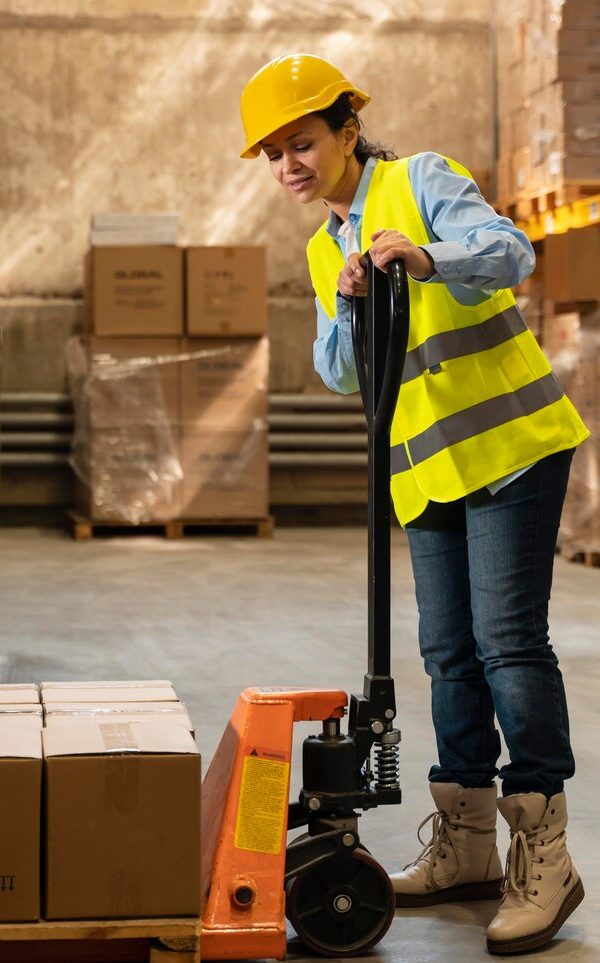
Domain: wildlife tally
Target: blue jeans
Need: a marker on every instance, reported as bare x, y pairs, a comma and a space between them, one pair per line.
483, 573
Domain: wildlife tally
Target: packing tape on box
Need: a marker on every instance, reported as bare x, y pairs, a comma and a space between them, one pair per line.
122, 780
124, 889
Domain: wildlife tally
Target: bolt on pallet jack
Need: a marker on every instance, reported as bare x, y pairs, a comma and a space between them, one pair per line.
337, 897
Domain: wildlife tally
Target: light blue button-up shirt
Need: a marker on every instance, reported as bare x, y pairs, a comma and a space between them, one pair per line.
474, 251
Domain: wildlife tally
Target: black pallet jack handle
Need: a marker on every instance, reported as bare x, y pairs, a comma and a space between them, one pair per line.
380, 328
337, 773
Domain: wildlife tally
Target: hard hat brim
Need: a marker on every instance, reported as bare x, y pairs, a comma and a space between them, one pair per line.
358, 100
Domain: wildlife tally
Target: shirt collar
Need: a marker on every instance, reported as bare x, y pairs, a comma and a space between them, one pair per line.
358, 204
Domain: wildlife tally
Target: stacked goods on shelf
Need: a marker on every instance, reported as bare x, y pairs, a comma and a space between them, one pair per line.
572, 344
531, 298
119, 821
548, 56
562, 304
170, 383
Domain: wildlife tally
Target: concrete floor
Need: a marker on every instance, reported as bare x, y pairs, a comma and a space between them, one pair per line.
217, 614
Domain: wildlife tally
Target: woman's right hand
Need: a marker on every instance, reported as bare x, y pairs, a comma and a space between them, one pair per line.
352, 279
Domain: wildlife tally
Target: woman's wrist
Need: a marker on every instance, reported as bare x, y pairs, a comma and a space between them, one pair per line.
428, 267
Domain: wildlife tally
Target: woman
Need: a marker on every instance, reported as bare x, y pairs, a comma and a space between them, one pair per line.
481, 446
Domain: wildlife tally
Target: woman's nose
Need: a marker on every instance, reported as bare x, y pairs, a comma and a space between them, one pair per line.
290, 163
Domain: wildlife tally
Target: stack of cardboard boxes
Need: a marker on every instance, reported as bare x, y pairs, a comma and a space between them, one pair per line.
548, 57
99, 803
561, 303
571, 338
171, 384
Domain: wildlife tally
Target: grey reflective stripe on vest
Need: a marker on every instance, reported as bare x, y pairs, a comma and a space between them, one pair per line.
463, 341
398, 459
477, 419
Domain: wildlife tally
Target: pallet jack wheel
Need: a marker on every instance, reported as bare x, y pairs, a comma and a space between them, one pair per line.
343, 906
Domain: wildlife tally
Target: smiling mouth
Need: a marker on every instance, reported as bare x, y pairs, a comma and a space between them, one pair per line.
297, 185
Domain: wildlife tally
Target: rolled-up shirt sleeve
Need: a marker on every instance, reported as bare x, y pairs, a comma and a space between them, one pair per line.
333, 353
471, 244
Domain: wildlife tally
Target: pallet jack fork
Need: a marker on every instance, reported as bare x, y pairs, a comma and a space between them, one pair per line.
337, 897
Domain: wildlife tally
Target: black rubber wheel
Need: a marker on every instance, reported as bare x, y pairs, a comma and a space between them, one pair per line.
342, 907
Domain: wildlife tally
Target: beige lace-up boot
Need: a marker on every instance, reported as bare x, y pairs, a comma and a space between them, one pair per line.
541, 885
460, 861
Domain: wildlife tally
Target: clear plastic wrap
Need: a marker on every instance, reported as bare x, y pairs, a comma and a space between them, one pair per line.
123, 450
177, 430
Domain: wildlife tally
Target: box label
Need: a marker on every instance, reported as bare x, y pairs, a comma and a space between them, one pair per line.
263, 802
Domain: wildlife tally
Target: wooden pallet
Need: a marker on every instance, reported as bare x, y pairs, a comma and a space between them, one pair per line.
102, 941
82, 529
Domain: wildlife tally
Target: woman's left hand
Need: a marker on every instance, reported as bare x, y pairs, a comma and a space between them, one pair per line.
391, 245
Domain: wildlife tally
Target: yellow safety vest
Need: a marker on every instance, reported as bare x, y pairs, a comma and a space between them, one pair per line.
478, 398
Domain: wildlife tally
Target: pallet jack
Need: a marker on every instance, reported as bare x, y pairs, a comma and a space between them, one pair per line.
337, 897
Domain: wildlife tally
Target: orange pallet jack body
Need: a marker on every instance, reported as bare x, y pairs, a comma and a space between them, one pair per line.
337, 897
244, 822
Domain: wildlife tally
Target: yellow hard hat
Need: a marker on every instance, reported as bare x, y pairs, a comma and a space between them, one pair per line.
287, 88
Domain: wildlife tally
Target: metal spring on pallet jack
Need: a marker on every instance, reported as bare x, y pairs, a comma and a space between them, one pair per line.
387, 765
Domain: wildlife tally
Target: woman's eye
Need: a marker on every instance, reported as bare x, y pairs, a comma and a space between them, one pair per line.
302, 147
273, 158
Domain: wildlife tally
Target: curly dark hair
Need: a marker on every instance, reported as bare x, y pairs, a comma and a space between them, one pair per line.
337, 116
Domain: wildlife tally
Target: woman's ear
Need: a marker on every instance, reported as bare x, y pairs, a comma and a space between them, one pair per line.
350, 131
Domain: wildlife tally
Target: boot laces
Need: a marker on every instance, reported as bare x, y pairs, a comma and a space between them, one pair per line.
519, 861
440, 837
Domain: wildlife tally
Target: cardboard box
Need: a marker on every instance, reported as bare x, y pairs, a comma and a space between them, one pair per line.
125, 445
134, 290
20, 801
572, 67
579, 42
122, 821
132, 475
571, 265
224, 384
580, 169
581, 91
223, 441
226, 290
21, 716
561, 339
225, 474
151, 691
504, 181
169, 713
22, 693
521, 171
511, 90
580, 14
582, 130
132, 381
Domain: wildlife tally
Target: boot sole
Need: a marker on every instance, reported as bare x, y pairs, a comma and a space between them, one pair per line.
535, 940
454, 894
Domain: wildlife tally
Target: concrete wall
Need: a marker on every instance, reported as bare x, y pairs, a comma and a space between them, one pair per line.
133, 105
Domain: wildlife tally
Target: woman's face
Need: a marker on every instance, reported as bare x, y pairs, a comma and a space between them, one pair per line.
309, 159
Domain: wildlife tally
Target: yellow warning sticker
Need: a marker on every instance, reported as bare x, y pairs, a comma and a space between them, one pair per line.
263, 803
